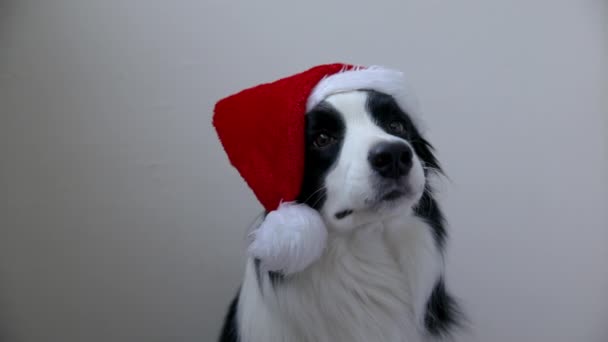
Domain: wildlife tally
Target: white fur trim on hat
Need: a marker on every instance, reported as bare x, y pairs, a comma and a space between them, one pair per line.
289, 239
388, 81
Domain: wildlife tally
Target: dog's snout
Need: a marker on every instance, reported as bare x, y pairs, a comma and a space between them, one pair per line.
391, 160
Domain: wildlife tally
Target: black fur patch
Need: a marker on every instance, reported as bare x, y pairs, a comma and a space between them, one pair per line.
321, 119
442, 311
384, 110
428, 209
230, 329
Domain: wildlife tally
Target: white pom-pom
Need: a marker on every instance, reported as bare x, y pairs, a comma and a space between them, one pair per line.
289, 239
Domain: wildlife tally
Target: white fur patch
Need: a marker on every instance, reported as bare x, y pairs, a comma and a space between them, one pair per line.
368, 286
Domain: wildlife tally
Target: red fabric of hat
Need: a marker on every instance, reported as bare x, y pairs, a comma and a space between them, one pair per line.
262, 131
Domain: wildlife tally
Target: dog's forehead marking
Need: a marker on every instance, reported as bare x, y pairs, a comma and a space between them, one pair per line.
352, 105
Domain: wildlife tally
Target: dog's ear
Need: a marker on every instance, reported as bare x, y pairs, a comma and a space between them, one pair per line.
289, 239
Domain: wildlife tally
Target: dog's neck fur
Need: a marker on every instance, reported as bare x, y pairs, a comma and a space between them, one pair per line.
370, 285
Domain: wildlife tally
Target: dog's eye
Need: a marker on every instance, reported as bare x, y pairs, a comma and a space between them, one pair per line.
396, 127
323, 140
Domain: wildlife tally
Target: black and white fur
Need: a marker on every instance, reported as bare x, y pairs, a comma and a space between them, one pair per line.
381, 278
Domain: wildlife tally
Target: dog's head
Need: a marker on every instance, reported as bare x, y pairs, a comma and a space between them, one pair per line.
365, 159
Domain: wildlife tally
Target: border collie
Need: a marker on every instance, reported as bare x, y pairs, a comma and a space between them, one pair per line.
368, 172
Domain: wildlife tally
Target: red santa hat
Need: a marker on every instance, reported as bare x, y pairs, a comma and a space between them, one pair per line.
262, 131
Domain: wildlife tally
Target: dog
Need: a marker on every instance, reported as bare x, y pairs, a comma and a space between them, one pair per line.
369, 173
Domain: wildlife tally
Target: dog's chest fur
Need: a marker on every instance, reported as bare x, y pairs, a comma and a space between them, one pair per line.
371, 285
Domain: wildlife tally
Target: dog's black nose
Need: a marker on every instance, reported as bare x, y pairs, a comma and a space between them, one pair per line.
391, 160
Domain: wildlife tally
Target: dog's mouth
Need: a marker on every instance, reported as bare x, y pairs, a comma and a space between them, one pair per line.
390, 196
344, 213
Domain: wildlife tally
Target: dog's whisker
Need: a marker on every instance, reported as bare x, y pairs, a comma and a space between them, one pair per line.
318, 199
314, 193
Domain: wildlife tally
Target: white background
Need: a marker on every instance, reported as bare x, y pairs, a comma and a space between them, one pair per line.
121, 219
